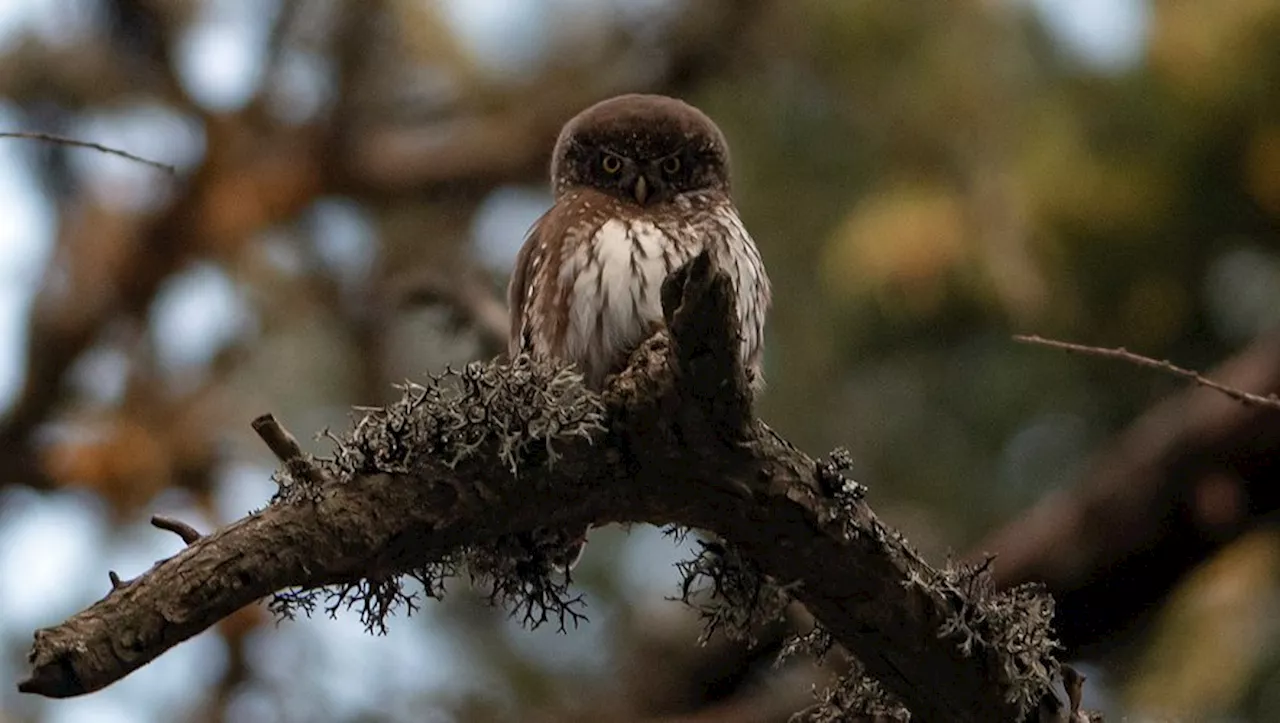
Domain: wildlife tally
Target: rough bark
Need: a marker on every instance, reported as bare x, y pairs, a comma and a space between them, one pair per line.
672, 440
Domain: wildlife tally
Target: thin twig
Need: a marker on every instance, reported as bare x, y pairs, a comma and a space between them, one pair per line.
278, 439
60, 140
286, 448
1271, 401
178, 527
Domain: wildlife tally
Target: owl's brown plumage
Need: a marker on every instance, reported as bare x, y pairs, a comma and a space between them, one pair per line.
641, 185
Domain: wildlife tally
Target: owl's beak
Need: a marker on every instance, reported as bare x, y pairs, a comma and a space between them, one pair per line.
641, 190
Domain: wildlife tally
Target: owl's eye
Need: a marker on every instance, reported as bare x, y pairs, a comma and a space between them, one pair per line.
671, 165
611, 164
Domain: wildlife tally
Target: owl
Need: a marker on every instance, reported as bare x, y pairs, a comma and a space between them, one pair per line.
641, 185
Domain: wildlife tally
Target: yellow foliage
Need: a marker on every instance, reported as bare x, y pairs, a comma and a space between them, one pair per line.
1197, 45
1211, 633
1069, 181
901, 242
1262, 169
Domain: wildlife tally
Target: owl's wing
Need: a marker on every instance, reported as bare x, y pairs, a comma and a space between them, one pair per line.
535, 296
518, 290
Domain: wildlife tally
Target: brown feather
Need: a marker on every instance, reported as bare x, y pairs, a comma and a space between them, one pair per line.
587, 281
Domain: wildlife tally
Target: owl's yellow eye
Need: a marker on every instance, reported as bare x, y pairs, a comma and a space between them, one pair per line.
671, 165
611, 164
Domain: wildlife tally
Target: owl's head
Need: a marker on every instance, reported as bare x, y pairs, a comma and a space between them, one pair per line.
642, 149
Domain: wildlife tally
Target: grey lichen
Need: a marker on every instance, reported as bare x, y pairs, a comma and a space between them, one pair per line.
375, 600
1012, 626
842, 494
855, 698
520, 575
817, 643
517, 412
729, 592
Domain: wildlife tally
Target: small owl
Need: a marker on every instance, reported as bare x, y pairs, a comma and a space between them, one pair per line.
641, 186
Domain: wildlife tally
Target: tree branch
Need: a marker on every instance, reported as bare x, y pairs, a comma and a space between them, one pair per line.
286, 449
72, 142
1271, 401
465, 465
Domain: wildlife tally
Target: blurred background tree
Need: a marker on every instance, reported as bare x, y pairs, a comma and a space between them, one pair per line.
923, 179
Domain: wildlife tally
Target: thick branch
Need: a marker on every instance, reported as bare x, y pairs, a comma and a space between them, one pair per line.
678, 445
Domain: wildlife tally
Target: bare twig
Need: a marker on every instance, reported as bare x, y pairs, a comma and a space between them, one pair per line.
62, 141
286, 449
278, 439
178, 527
1271, 401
